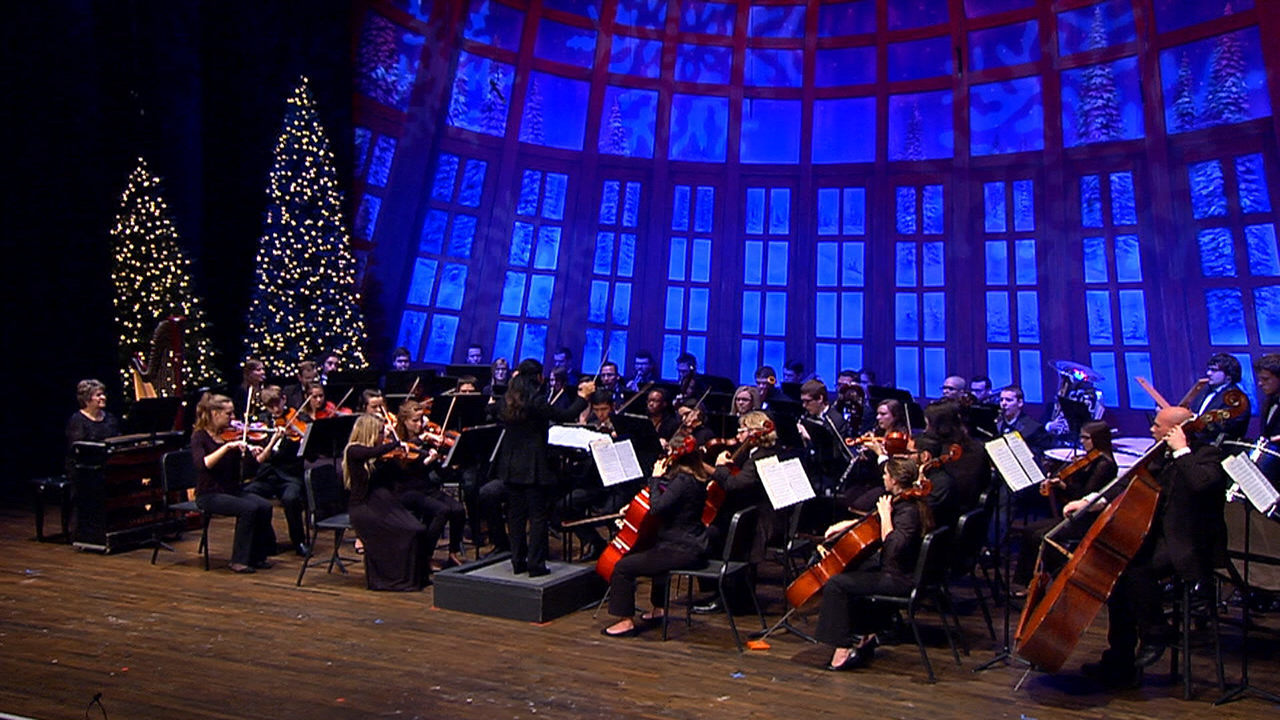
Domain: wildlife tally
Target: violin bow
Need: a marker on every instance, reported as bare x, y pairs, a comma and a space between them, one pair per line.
344, 398
600, 369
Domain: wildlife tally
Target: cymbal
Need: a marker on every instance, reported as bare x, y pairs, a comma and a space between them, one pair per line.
1076, 371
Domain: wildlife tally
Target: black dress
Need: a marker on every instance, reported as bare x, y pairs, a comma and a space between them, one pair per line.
81, 429
396, 555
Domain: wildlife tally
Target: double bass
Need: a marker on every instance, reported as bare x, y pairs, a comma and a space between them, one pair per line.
1061, 608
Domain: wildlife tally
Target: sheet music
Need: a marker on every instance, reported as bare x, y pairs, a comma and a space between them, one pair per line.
571, 436
616, 461
786, 482
1022, 452
1255, 485
1005, 458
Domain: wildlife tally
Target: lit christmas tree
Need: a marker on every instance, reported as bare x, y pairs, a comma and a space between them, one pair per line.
531, 132
305, 300
1099, 118
152, 280
1185, 115
1228, 100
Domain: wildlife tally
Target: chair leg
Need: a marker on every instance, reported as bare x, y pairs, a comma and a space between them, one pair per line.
944, 610
982, 604
204, 540
666, 603
1186, 640
337, 546
602, 602
724, 602
924, 654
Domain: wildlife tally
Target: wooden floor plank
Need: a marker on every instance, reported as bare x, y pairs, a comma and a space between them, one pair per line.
174, 641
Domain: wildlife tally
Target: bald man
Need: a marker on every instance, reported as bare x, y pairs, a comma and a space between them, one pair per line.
1188, 538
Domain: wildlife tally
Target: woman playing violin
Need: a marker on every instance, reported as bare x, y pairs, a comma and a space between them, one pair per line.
692, 417
681, 543
419, 488
848, 620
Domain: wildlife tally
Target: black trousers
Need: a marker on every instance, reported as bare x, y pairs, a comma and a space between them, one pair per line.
655, 562
271, 483
528, 508
846, 609
255, 539
435, 508
1135, 609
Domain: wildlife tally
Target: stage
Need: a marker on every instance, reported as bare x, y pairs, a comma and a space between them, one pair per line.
174, 641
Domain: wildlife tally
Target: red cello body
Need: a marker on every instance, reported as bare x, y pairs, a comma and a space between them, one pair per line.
637, 531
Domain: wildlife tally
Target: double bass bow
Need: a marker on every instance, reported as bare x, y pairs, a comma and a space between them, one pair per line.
1059, 609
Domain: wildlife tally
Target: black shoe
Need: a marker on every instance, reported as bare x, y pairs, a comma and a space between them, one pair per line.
539, 571
1150, 653
303, 549
1113, 674
519, 568
630, 632
708, 608
261, 565
593, 552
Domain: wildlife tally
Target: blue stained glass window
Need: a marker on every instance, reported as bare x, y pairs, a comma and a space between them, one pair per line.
828, 262
1004, 45
998, 325
553, 201
540, 289
676, 261
826, 315
628, 122
642, 13
849, 18
367, 216
1024, 263
993, 202
464, 232
832, 141
598, 301
563, 43
530, 187
705, 208
363, 136
1090, 201
906, 325
432, 239
1174, 14
708, 17
1133, 317
1128, 259
851, 274
855, 211
1124, 204
412, 324
479, 97
851, 315
1252, 184
1266, 301
775, 313
609, 202
779, 211
934, 316
906, 362
829, 211
1006, 117
635, 56
933, 209
701, 260
631, 205
1263, 260
919, 13
1225, 309
585, 8
704, 63
1102, 102
770, 131
444, 329
446, 175
453, 286
1138, 364
1095, 260
1000, 367
1097, 305
1217, 253
472, 183
699, 301
534, 342
845, 66
593, 348
1215, 81
917, 59
755, 211
494, 24
906, 210
934, 265
750, 350
997, 265
1105, 364
1029, 317
521, 244
777, 265
935, 366
773, 67
512, 294
750, 312
850, 357
380, 165
1024, 206
921, 126
680, 209
504, 340
1098, 26
627, 255
1208, 190
905, 264
604, 253
675, 309
1029, 364
422, 282
753, 262
699, 128
776, 21
548, 252
622, 304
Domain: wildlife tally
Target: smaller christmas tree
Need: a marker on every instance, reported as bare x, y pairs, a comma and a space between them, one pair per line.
493, 111
532, 130
913, 143
1186, 116
152, 279
618, 144
1228, 100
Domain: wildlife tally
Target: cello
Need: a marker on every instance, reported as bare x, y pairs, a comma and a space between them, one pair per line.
1059, 609
859, 540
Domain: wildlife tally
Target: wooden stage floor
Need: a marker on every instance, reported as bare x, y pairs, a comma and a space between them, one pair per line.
174, 641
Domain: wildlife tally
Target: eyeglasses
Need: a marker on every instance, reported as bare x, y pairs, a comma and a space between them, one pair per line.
953, 389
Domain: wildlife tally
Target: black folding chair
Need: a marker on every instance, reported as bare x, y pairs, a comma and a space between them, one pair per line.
326, 510
178, 475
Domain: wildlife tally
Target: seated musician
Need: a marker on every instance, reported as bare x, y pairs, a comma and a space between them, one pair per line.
327, 363
851, 407
475, 354
559, 394
219, 466
253, 373
396, 553
401, 359
280, 475
1188, 538
658, 407
589, 497
644, 371
1090, 479
957, 484
314, 405
767, 384
420, 489
92, 422
562, 359
1268, 374
954, 387
745, 399
500, 375
821, 429
1223, 373
847, 620
690, 382
295, 394
1013, 419
611, 381
981, 389
1074, 386
860, 489
373, 402
692, 421
681, 542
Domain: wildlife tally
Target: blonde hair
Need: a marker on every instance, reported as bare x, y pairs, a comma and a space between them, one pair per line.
758, 420
209, 402
367, 432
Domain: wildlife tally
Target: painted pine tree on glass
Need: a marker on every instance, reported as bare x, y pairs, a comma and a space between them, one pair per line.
1228, 99
531, 130
305, 299
152, 279
913, 143
1186, 116
493, 111
618, 144
1099, 118
458, 101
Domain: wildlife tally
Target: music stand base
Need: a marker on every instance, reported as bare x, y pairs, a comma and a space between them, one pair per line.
783, 624
1241, 690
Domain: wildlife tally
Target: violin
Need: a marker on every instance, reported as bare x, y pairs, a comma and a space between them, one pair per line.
896, 442
255, 432
753, 438
1071, 468
294, 426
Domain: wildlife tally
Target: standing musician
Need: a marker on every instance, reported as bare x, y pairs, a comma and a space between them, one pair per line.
92, 422
1268, 372
295, 394
419, 489
522, 462
280, 475
1188, 538
657, 406
644, 370
745, 399
396, 553
681, 542
848, 620
218, 473
1223, 372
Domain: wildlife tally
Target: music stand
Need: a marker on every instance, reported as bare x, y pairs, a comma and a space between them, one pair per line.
642, 434
718, 402
722, 424
1076, 414
152, 416
983, 420
785, 416
482, 373
468, 410
1005, 656
791, 389
397, 383
718, 383
473, 446
327, 437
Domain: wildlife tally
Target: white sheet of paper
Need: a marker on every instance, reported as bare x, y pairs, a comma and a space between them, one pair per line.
785, 482
616, 462
1002, 456
1255, 485
1023, 453
571, 436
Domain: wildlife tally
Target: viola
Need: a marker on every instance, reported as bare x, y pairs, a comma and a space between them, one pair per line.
1059, 609
294, 426
860, 540
1071, 468
896, 442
